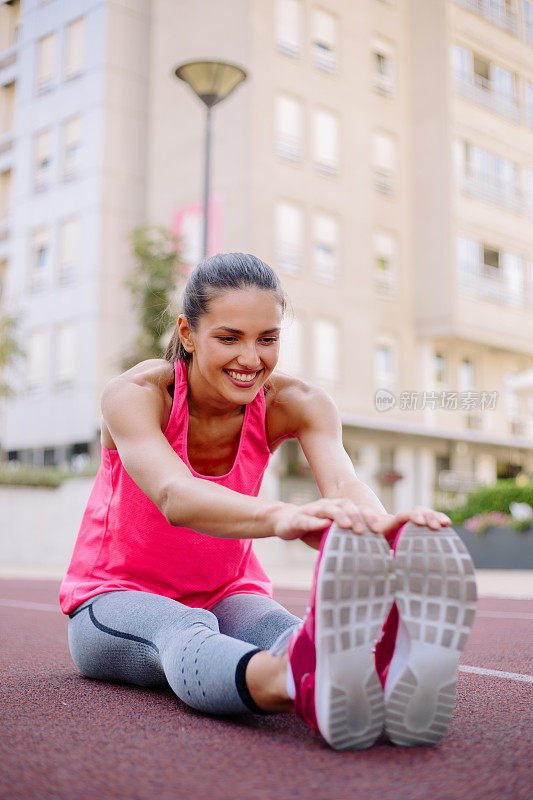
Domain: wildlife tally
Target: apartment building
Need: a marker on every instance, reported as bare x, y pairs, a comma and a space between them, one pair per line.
379, 157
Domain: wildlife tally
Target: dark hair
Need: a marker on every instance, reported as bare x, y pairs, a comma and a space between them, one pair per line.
210, 279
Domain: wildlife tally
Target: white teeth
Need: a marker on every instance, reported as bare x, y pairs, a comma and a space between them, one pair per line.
238, 376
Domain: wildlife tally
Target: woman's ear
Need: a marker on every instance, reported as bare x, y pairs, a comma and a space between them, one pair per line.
184, 333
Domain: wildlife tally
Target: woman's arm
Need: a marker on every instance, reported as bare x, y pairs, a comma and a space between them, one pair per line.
319, 431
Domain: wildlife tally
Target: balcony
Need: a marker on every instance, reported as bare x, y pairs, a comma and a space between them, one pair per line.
497, 284
497, 14
480, 186
481, 91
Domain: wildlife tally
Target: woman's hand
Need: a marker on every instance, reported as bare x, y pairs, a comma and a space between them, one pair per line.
389, 524
307, 522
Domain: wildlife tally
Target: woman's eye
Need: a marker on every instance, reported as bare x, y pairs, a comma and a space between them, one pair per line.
271, 339
227, 338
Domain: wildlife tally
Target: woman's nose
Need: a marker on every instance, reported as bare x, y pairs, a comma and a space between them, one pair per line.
249, 359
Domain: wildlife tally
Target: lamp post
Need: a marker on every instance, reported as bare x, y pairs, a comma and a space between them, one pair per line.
212, 82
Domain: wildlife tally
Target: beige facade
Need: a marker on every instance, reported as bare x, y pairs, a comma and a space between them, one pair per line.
380, 158
386, 76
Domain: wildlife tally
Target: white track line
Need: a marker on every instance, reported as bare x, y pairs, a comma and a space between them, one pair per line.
496, 673
504, 614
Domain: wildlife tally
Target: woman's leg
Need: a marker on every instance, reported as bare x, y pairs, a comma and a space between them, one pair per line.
151, 640
261, 621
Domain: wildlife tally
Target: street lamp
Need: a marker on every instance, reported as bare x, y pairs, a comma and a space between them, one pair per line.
212, 82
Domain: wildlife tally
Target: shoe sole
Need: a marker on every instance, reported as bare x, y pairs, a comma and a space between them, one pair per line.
353, 597
436, 597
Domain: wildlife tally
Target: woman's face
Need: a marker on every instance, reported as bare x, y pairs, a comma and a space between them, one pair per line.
236, 345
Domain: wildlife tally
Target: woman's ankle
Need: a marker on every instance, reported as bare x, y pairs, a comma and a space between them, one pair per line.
266, 678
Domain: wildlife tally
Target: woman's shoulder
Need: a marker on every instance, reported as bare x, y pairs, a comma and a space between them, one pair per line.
287, 400
154, 372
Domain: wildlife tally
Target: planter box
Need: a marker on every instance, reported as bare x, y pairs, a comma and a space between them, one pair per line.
498, 548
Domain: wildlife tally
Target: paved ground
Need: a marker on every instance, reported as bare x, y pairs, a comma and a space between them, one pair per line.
63, 737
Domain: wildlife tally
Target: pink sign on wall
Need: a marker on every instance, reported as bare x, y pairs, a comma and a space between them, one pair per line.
188, 227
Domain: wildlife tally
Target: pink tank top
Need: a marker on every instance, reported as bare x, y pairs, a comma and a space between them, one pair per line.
125, 542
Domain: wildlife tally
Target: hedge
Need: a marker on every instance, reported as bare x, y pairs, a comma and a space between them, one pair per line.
48, 477
496, 497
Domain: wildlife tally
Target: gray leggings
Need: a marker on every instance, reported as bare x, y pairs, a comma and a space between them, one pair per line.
151, 640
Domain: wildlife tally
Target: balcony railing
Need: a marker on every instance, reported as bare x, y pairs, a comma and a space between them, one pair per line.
481, 91
497, 14
497, 284
324, 57
500, 194
384, 180
288, 146
289, 257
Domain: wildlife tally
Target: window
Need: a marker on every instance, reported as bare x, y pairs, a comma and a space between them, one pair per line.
439, 367
65, 353
466, 375
291, 348
382, 66
74, 48
325, 141
46, 55
36, 365
43, 159
39, 258
71, 146
288, 127
3, 280
384, 160
468, 253
289, 236
5, 193
511, 400
529, 189
461, 62
7, 107
513, 276
326, 356
69, 249
385, 260
491, 257
384, 369
482, 71
289, 26
503, 82
529, 100
324, 33
528, 20
325, 246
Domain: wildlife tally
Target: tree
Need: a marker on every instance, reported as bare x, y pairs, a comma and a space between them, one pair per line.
10, 350
153, 283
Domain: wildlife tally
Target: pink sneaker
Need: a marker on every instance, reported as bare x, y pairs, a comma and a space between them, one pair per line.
338, 692
436, 602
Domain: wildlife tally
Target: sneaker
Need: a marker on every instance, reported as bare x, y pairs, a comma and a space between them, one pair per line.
436, 601
338, 692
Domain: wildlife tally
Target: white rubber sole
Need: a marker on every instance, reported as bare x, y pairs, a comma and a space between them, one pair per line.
353, 597
436, 597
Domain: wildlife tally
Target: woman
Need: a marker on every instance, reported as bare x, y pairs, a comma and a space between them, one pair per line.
164, 587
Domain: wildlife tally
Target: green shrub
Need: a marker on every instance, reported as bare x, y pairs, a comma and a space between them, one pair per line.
48, 477
496, 497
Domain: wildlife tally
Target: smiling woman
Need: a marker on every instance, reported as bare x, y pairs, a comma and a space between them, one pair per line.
164, 587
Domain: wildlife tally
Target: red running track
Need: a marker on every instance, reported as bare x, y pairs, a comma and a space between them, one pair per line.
64, 737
